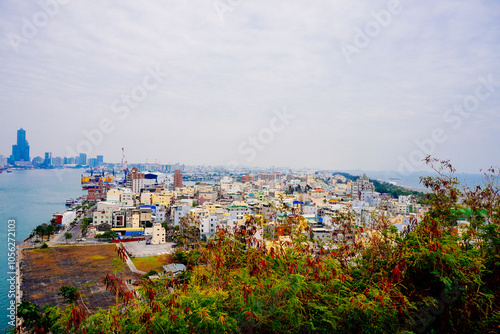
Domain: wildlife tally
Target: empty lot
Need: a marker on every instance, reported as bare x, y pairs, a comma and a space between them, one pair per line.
45, 271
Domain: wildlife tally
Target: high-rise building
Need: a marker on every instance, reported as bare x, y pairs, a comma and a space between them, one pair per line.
135, 180
20, 151
177, 179
362, 184
82, 159
100, 160
57, 161
268, 176
171, 168
247, 178
48, 159
92, 162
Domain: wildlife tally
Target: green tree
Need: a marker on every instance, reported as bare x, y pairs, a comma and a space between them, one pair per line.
69, 294
32, 317
49, 231
40, 230
85, 225
189, 232
67, 236
152, 272
107, 235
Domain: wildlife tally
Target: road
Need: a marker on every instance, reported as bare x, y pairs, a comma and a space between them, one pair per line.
75, 230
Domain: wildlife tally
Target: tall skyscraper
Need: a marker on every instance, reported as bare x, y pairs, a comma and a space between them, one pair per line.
177, 179
20, 151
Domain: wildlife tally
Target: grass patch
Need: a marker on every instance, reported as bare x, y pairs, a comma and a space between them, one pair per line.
151, 262
96, 257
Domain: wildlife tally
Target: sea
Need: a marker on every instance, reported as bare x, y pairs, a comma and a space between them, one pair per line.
412, 180
30, 197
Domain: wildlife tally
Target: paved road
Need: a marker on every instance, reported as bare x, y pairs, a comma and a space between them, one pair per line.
76, 230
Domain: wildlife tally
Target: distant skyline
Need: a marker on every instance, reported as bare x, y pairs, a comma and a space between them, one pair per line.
370, 85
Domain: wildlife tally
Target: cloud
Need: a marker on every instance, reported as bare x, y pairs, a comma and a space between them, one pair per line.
226, 76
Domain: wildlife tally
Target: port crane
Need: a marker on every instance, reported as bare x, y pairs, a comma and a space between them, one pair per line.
125, 165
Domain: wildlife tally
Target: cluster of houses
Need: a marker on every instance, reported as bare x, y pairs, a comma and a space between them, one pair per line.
146, 200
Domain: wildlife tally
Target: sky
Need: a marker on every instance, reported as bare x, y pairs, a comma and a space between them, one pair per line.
372, 85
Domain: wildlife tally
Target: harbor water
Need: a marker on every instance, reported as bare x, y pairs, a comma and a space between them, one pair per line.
29, 198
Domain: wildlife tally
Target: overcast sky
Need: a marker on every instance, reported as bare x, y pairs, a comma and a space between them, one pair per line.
371, 85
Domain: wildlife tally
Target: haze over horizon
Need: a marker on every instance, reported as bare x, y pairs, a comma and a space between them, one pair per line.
371, 85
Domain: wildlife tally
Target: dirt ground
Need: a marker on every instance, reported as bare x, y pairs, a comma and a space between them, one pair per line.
45, 271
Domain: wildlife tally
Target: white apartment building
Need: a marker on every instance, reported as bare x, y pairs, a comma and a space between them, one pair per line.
159, 235
104, 213
127, 198
238, 212
362, 184
370, 197
405, 199
179, 211
310, 210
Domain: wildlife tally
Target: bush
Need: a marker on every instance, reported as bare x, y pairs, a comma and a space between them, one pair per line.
181, 257
152, 272
107, 235
69, 294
